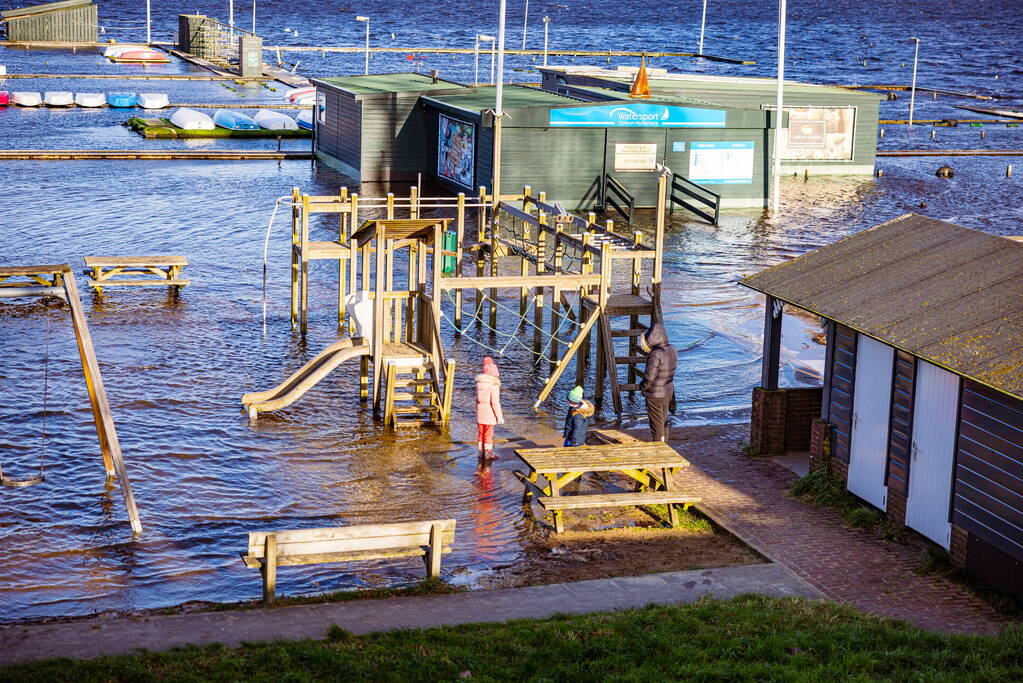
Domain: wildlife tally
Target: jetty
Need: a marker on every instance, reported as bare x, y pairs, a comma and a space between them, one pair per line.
152, 155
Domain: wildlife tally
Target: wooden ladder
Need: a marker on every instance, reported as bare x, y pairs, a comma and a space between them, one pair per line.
413, 396
611, 356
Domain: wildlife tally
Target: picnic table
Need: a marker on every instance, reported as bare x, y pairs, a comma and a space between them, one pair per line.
155, 270
651, 465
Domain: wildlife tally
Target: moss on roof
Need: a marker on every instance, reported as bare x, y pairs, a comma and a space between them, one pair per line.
375, 84
483, 98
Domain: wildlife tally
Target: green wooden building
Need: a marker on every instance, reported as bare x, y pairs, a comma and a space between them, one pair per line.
68, 21
393, 127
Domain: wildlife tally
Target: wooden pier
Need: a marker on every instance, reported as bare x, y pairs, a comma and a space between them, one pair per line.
508, 51
151, 155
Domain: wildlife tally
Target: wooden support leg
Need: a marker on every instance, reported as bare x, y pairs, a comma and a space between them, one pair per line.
527, 495
672, 508
559, 521
602, 361
305, 296
389, 400
270, 569
436, 547
363, 378
294, 286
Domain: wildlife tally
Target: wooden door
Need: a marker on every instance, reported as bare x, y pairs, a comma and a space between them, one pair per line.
935, 409
872, 394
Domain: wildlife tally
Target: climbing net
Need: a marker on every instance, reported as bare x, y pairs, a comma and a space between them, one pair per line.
511, 233
566, 327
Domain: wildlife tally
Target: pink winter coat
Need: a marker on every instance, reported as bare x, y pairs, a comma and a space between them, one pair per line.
488, 400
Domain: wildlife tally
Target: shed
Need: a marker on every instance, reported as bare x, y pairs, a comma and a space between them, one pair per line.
830, 131
391, 127
69, 21
921, 411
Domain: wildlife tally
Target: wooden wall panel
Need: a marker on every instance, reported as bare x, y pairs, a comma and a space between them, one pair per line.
988, 486
900, 435
843, 376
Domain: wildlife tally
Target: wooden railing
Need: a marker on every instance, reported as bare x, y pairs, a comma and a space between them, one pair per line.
683, 188
616, 196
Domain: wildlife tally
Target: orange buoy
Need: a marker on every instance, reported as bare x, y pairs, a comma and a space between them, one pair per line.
641, 87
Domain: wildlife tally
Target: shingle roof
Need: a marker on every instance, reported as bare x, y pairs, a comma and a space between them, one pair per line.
942, 292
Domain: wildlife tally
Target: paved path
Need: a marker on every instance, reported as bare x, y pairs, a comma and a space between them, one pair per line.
748, 495
88, 639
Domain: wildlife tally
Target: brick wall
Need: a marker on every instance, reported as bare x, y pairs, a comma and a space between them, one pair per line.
820, 444
802, 407
840, 469
781, 420
957, 548
897, 507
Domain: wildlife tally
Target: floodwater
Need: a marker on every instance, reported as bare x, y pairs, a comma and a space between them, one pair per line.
175, 368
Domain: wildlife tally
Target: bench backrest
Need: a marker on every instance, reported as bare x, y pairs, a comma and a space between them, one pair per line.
364, 537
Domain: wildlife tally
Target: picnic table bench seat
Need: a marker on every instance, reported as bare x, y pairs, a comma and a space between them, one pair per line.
268, 550
166, 268
601, 500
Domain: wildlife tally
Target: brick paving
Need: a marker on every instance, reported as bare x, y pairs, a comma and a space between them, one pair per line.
748, 496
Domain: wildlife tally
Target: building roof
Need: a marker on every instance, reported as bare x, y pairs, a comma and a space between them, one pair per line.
376, 84
663, 98
482, 98
948, 294
664, 82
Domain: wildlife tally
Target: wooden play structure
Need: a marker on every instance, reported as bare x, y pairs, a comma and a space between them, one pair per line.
135, 271
59, 281
269, 550
563, 271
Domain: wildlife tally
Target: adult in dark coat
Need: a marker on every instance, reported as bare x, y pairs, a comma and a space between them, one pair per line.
658, 386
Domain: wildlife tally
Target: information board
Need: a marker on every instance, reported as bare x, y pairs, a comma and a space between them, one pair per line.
721, 163
818, 133
456, 150
630, 156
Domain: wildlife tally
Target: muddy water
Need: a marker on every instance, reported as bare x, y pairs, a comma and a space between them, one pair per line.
175, 368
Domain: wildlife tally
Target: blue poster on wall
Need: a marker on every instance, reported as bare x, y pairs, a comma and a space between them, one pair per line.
637, 115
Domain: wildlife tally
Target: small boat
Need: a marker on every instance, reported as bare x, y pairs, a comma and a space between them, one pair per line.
5, 98
26, 99
232, 120
115, 50
298, 93
122, 99
190, 119
58, 98
153, 100
272, 120
308, 100
139, 55
90, 99
305, 120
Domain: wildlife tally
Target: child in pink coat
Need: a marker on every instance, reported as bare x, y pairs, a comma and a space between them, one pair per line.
488, 408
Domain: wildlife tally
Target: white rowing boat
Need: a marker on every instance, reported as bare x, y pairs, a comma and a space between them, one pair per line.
190, 119
272, 120
90, 99
26, 99
301, 93
305, 119
153, 100
58, 98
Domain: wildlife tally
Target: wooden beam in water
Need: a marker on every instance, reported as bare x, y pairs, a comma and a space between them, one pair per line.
150, 155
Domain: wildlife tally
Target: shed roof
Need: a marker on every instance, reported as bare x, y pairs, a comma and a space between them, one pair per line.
33, 10
665, 98
482, 98
948, 294
377, 84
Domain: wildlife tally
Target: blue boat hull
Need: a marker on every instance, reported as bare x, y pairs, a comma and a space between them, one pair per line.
232, 120
121, 99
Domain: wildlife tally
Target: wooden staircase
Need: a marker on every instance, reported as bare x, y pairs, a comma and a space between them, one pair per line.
636, 314
413, 396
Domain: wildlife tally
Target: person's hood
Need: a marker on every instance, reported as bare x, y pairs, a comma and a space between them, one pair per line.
484, 378
655, 336
585, 408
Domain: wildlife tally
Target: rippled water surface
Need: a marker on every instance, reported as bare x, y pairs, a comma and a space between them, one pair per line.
174, 368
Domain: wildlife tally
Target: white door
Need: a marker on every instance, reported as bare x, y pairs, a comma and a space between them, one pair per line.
935, 409
872, 397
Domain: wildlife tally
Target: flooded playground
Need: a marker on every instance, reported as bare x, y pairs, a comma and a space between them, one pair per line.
175, 367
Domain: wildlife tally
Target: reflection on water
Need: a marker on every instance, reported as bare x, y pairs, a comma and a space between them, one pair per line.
175, 367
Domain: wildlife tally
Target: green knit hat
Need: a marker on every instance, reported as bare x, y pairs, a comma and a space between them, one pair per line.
576, 395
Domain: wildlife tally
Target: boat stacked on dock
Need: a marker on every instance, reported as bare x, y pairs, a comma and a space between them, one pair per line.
26, 99
232, 120
305, 120
153, 100
190, 119
90, 99
135, 54
302, 95
5, 98
122, 99
272, 120
58, 98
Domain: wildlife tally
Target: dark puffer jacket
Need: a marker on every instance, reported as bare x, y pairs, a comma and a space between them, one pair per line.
660, 364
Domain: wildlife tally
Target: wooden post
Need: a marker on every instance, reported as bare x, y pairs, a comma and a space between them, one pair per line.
110, 446
481, 236
378, 316
389, 400
269, 568
449, 385
555, 326
295, 217
413, 258
459, 254
583, 358
524, 270
655, 280
494, 270
666, 476
390, 206
304, 276
413, 200
541, 267
435, 272
353, 266
342, 239
527, 193
637, 270
436, 549
772, 343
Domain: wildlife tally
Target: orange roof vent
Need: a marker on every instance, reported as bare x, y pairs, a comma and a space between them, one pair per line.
640, 86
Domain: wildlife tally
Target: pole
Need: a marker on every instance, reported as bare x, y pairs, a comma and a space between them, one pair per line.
366, 70
498, 105
776, 198
546, 26
476, 61
230, 16
493, 48
703, 24
912, 89
253, 17
525, 23
149, 25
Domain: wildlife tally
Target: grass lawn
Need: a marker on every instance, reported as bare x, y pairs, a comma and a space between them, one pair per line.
747, 638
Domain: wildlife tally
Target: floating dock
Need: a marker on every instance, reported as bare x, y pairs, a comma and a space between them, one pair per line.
525, 53
952, 153
152, 155
163, 128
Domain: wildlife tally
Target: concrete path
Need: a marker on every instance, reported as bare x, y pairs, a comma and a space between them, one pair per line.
88, 639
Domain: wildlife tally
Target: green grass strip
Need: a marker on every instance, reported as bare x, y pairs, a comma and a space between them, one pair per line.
163, 128
748, 638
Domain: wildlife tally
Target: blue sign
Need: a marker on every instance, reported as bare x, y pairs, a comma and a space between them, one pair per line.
678, 146
637, 115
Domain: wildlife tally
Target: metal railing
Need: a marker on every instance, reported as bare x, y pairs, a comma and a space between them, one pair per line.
616, 196
217, 42
682, 188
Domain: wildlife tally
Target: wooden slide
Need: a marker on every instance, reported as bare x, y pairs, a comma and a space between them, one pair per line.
306, 377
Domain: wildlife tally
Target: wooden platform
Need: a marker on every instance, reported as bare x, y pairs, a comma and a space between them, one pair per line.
166, 269
163, 128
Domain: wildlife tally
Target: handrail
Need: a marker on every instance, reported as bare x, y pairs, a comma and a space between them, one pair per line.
688, 188
612, 191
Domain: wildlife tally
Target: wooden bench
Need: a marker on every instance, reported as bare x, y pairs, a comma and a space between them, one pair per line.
271, 549
101, 270
605, 500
